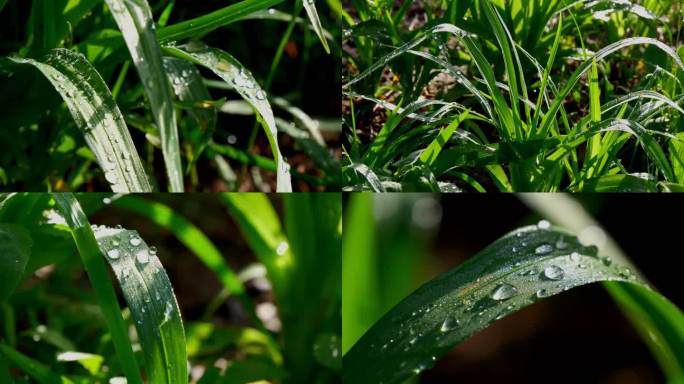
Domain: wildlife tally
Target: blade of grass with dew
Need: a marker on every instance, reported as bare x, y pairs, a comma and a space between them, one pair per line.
370, 176
659, 322
39, 372
92, 258
522, 267
431, 153
260, 225
204, 24
97, 115
549, 117
15, 250
134, 19
232, 72
188, 234
188, 86
310, 8
151, 300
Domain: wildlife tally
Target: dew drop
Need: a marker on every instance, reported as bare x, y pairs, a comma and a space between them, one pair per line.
543, 224
575, 257
110, 176
153, 250
606, 261
142, 256
113, 254
543, 249
504, 292
106, 201
260, 95
449, 324
282, 248
554, 272
135, 241
543, 293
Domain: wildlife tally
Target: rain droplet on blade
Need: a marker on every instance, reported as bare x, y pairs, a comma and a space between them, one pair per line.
554, 272
503, 292
543, 249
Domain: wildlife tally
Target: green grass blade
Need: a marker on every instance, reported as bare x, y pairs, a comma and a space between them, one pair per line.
15, 249
677, 157
503, 36
149, 295
97, 115
310, 7
370, 176
39, 372
92, 258
134, 19
520, 268
549, 117
188, 85
204, 24
359, 286
433, 150
193, 238
261, 227
232, 72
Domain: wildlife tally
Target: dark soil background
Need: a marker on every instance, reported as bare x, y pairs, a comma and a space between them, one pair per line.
579, 336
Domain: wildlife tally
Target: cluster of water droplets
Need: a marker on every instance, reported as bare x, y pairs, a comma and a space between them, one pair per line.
439, 324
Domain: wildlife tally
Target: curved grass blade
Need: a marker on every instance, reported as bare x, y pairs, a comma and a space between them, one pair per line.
188, 234
520, 268
261, 227
134, 19
230, 70
97, 115
370, 176
95, 267
150, 298
310, 7
549, 117
431, 153
204, 24
188, 85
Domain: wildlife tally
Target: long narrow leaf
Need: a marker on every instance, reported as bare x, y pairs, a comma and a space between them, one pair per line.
522, 267
209, 22
150, 298
310, 7
230, 70
97, 115
95, 267
134, 19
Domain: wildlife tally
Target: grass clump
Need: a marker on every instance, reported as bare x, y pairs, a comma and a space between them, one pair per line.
137, 96
513, 96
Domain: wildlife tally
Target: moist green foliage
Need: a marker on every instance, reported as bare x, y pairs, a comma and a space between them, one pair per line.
166, 126
525, 266
64, 280
554, 103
